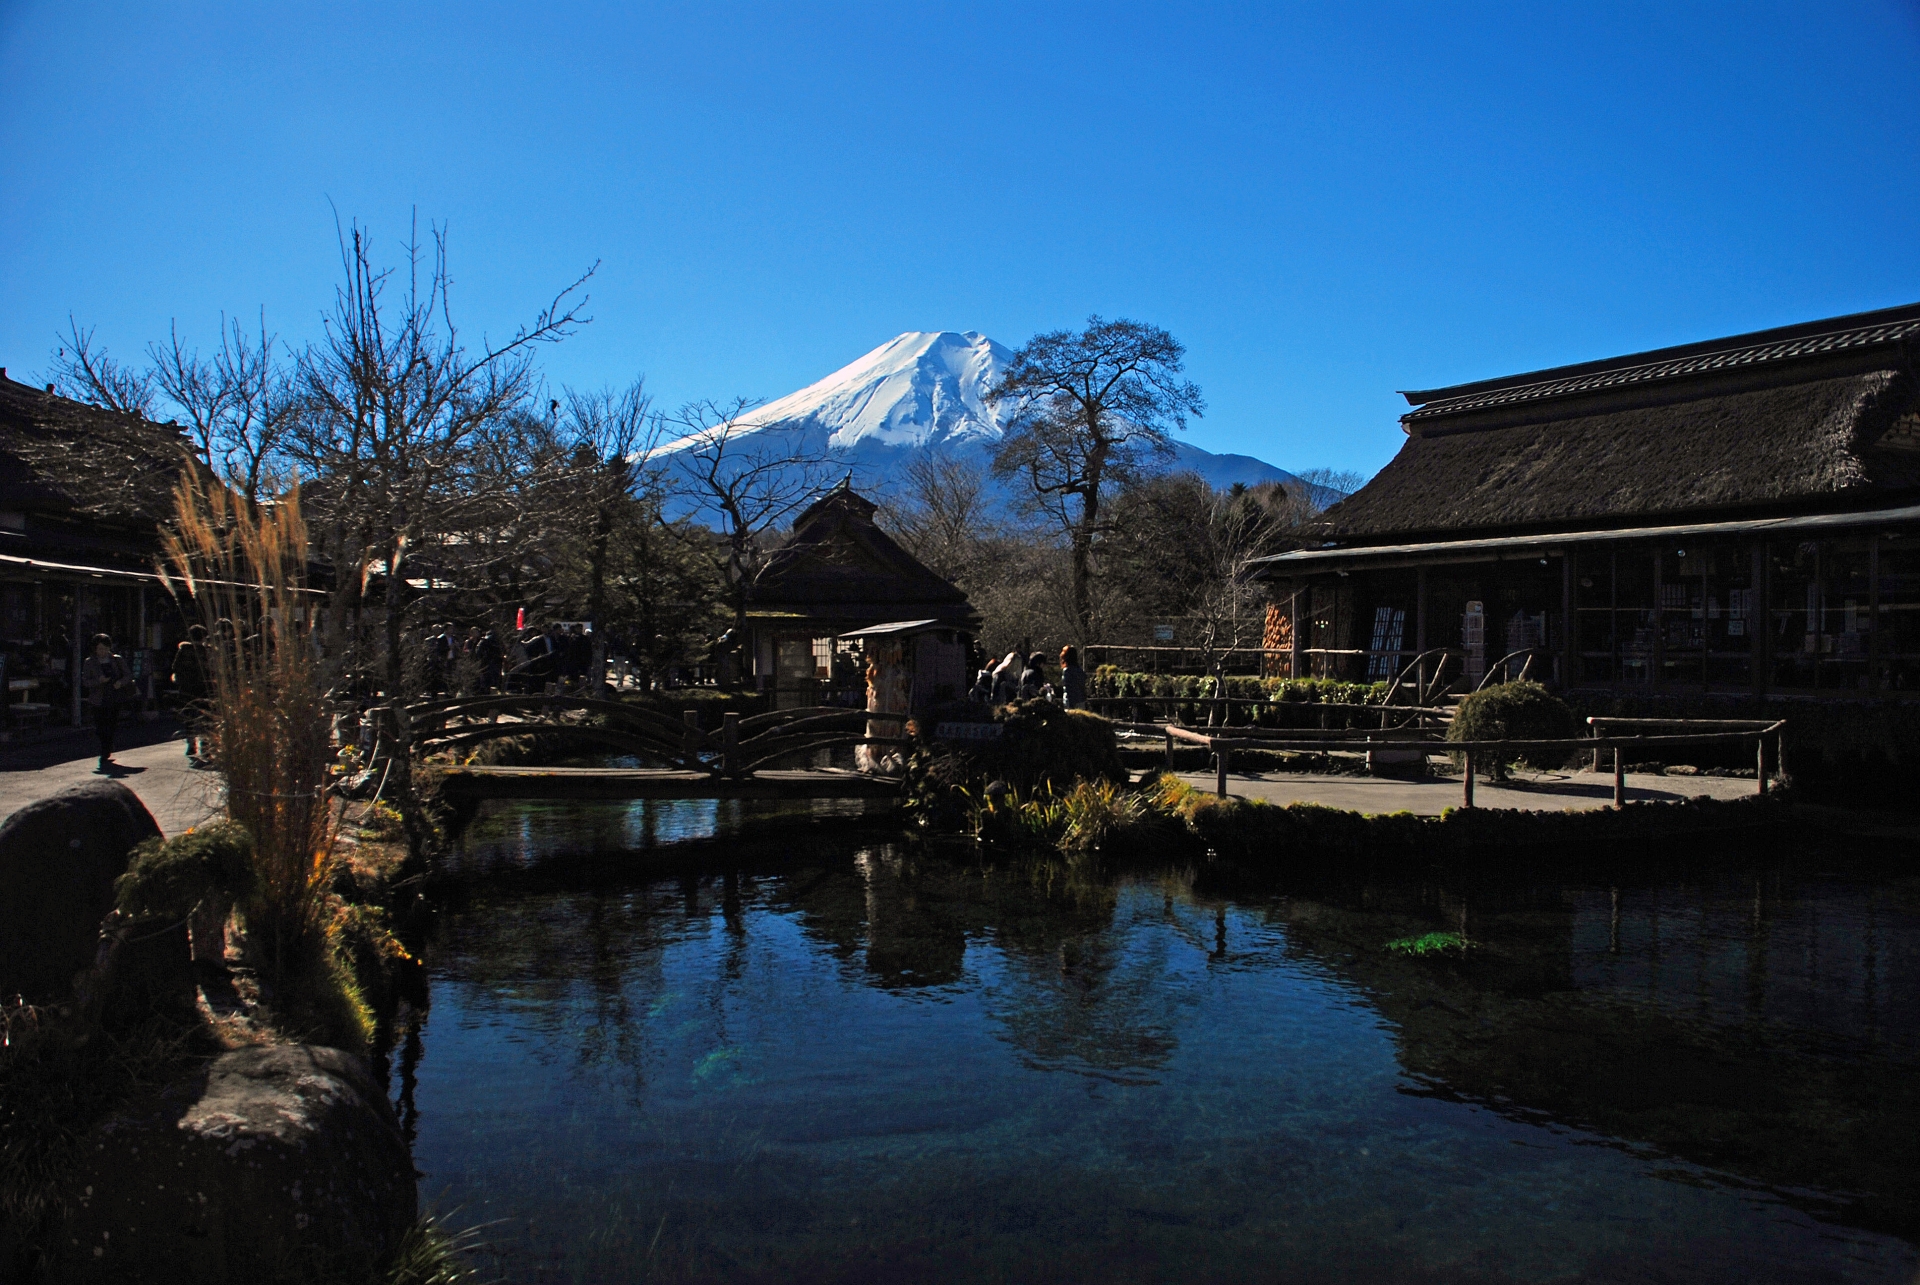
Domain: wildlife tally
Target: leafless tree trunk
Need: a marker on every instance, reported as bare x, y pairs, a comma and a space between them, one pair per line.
745, 483
396, 422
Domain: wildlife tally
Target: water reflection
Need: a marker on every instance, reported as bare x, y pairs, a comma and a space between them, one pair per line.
868, 1059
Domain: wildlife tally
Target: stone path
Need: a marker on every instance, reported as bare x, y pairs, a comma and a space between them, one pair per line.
1432, 795
154, 767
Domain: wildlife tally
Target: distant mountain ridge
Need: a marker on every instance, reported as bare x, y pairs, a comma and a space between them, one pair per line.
929, 390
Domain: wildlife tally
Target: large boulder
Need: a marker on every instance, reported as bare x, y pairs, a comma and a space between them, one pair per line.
273, 1162
58, 860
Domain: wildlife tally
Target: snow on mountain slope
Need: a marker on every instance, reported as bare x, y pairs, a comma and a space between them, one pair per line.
929, 389
919, 389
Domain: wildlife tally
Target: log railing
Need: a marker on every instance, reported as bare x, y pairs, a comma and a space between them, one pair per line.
1670, 734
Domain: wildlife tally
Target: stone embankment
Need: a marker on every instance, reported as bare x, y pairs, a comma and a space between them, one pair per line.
253, 1163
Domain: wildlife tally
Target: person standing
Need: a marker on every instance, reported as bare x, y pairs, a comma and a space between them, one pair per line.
1032, 679
1006, 679
190, 686
108, 682
1073, 679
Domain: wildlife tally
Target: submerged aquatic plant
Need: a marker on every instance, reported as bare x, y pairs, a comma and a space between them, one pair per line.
1429, 945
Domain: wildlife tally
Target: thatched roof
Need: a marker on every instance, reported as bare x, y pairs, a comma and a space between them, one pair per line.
839, 566
91, 485
58, 455
1806, 418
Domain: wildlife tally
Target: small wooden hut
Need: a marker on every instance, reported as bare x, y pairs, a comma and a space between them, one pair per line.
837, 576
1739, 515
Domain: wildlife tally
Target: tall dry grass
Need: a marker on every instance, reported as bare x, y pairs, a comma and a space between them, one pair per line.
242, 567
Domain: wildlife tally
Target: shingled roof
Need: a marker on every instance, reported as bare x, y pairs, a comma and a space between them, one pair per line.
1800, 419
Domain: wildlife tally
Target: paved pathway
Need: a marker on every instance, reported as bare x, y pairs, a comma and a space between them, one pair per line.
1431, 795
154, 767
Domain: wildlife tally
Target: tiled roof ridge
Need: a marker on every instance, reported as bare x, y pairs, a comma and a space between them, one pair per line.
1650, 372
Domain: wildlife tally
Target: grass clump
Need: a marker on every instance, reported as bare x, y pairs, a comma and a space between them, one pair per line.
1431, 945
1077, 821
432, 1253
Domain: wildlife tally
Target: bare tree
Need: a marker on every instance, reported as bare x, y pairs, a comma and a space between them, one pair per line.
608, 439
945, 517
87, 373
1089, 410
407, 433
746, 483
238, 404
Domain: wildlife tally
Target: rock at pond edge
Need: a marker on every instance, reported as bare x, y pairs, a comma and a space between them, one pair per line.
274, 1161
58, 860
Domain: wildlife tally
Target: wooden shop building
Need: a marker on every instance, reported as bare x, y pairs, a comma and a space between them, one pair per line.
1740, 515
82, 491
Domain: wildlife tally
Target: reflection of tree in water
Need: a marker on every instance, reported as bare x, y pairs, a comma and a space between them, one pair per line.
566, 964
1764, 1030
1071, 988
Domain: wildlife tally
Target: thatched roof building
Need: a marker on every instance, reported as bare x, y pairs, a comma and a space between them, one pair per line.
837, 574
82, 493
1557, 510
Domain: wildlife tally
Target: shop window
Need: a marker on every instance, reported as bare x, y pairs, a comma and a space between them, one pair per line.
1898, 622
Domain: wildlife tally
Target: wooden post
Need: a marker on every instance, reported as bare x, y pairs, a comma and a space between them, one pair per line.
1657, 654
1297, 660
1467, 785
1760, 761
1599, 730
730, 742
1873, 613
1220, 771
1568, 658
690, 736
1619, 777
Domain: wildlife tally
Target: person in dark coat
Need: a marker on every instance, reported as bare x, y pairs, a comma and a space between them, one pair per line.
108, 682
1073, 680
490, 658
1033, 679
192, 681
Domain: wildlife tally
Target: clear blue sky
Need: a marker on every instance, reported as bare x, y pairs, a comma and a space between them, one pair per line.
1324, 202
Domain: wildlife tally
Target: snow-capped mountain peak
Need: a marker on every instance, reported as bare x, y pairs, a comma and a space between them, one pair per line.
922, 388
927, 389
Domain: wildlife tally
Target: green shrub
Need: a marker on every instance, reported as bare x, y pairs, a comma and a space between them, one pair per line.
1520, 711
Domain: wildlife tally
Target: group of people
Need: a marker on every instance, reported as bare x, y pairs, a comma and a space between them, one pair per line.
1021, 677
552, 658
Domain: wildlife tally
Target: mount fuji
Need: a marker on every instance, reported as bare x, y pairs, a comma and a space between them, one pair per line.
929, 390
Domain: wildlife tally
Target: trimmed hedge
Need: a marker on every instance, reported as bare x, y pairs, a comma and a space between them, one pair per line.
1285, 702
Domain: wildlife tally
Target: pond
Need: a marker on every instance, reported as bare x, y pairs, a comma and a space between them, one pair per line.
810, 1050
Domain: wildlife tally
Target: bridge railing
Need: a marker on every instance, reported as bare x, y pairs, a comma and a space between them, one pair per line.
736, 749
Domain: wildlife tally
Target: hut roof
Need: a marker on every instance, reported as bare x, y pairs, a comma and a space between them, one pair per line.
839, 565
1804, 418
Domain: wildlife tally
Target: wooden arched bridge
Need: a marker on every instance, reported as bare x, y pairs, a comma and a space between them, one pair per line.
744, 758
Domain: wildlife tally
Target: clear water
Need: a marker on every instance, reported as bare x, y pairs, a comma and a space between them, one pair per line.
812, 1055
